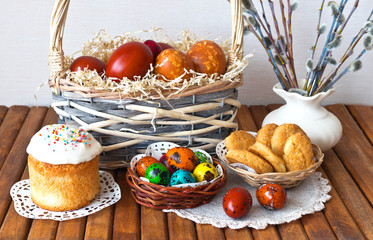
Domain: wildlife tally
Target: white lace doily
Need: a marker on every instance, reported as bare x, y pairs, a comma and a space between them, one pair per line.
108, 195
308, 197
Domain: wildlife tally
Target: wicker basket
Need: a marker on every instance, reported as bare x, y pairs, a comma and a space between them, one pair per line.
196, 117
163, 197
286, 180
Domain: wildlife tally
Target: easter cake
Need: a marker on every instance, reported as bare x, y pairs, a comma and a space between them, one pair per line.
63, 168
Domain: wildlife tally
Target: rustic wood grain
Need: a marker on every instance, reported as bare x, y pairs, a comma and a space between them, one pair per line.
363, 115
259, 113
292, 230
11, 124
153, 224
269, 233
72, 229
317, 227
14, 225
100, 224
355, 151
206, 231
16, 161
127, 212
349, 192
3, 111
243, 233
180, 228
245, 119
338, 216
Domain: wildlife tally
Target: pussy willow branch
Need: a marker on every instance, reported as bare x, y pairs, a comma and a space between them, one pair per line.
349, 16
265, 18
259, 24
328, 86
290, 13
312, 50
346, 55
260, 37
289, 57
292, 84
325, 52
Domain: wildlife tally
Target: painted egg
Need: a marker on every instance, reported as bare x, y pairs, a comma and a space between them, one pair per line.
271, 196
158, 173
205, 171
237, 202
163, 160
202, 157
181, 158
143, 164
170, 63
181, 177
207, 57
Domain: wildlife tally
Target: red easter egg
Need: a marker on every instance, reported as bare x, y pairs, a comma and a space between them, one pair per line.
271, 196
237, 202
88, 62
154, 47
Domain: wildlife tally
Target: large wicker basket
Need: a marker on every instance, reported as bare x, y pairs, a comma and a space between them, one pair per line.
198, 117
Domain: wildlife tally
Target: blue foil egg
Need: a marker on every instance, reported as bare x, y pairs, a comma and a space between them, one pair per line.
181, 177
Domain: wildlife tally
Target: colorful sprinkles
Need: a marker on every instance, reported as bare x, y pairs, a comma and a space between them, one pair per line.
62, 134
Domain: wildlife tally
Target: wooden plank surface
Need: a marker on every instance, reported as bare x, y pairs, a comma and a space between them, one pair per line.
348, 167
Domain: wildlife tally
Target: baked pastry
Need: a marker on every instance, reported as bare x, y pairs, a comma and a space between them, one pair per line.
265, 134
249, 159
266, 153
298, 152
281, 135
63, 168
239, 140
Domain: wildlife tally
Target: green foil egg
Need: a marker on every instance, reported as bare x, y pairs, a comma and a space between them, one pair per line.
158, 173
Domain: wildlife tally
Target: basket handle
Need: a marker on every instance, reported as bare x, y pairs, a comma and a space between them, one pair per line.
57, 26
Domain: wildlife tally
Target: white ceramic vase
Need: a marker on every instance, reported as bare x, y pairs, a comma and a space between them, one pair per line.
322, 127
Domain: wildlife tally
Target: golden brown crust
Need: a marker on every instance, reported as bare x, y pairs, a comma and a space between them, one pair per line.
266, 153
249, 159
239, 140
281, 135
265, 134
298, 152
63, 187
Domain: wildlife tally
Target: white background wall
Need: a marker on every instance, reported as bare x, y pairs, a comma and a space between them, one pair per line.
24, 39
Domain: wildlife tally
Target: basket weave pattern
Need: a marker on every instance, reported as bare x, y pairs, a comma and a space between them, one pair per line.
125, 125
161, 197
286, 180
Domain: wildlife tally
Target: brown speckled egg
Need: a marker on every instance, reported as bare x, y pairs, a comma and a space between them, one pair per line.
143, 164
170, 63
207, 57
271, 196
181, 158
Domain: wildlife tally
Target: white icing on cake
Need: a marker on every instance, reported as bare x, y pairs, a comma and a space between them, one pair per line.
60, 144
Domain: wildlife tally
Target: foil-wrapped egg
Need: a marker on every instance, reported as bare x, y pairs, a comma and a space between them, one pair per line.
271, 196
237, 202
143, 164
181, 177
205, 171
181, 158
158, 173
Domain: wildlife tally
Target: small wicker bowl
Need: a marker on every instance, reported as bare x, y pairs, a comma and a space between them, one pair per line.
165, 197
286, 180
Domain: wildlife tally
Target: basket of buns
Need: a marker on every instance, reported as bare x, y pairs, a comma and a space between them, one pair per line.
130, 91
168, 176
278, 154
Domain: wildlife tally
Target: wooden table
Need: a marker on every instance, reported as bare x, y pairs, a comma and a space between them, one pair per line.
348, 215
